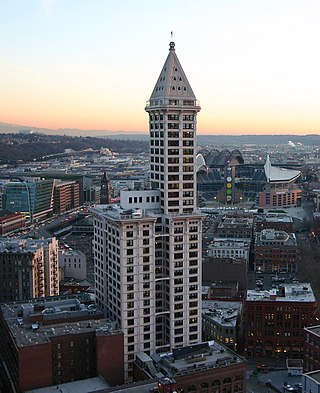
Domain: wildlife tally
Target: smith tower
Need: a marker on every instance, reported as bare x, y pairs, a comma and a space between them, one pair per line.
173, 112
147, 251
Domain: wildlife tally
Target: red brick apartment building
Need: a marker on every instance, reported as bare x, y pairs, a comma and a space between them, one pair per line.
275, 320
276, 252
49, 342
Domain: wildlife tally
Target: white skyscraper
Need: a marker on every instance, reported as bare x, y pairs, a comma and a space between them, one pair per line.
147, 251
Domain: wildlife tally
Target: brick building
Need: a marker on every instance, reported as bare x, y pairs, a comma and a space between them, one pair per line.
66, 196
225, 269
205, 367
57, 341
275, 320
11, 222
276, 252
277, 221
236, 225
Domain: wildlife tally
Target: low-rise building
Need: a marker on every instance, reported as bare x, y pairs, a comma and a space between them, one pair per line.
204, 367
225, 269
276, 252
275, 320
55, 341
236, 226
224, 290
277, 221
221, 321
74, 264
229, 248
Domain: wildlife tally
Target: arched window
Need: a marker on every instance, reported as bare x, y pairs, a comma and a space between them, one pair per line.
227, 380
204, 387
216, 382
238, 378
192, 388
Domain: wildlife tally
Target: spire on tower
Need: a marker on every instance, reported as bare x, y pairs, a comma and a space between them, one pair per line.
172, 44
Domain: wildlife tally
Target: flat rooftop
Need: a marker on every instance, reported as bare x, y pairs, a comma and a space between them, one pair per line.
315, 375
118, 213
20, 317
314, 330
233, 242
70, 253
22, 246
83, 386
274, 217
223, 313
298, 292
195, 358
236, 222
268, 237
135, 387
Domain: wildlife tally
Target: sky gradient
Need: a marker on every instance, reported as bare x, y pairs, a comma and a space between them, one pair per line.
92, 64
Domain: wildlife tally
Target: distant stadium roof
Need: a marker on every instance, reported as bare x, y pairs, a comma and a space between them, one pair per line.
225, 157
275, 174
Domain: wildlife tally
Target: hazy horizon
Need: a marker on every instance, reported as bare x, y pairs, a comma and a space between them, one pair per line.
14, 128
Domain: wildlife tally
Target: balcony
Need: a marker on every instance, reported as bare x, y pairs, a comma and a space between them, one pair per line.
175, 103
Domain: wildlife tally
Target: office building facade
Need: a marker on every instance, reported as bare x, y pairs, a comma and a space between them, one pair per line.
33, 197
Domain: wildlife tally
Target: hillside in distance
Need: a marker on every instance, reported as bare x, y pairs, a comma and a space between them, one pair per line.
21, 147
261, 140
213, 139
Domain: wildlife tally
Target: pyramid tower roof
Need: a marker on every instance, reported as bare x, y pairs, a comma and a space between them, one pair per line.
172, 82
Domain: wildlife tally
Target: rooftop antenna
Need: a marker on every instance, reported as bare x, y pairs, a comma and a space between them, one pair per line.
171, 42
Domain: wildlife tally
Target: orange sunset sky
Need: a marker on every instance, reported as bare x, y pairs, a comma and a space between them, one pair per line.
92, 65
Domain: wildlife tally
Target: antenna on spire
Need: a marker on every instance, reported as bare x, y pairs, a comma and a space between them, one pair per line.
171, 43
